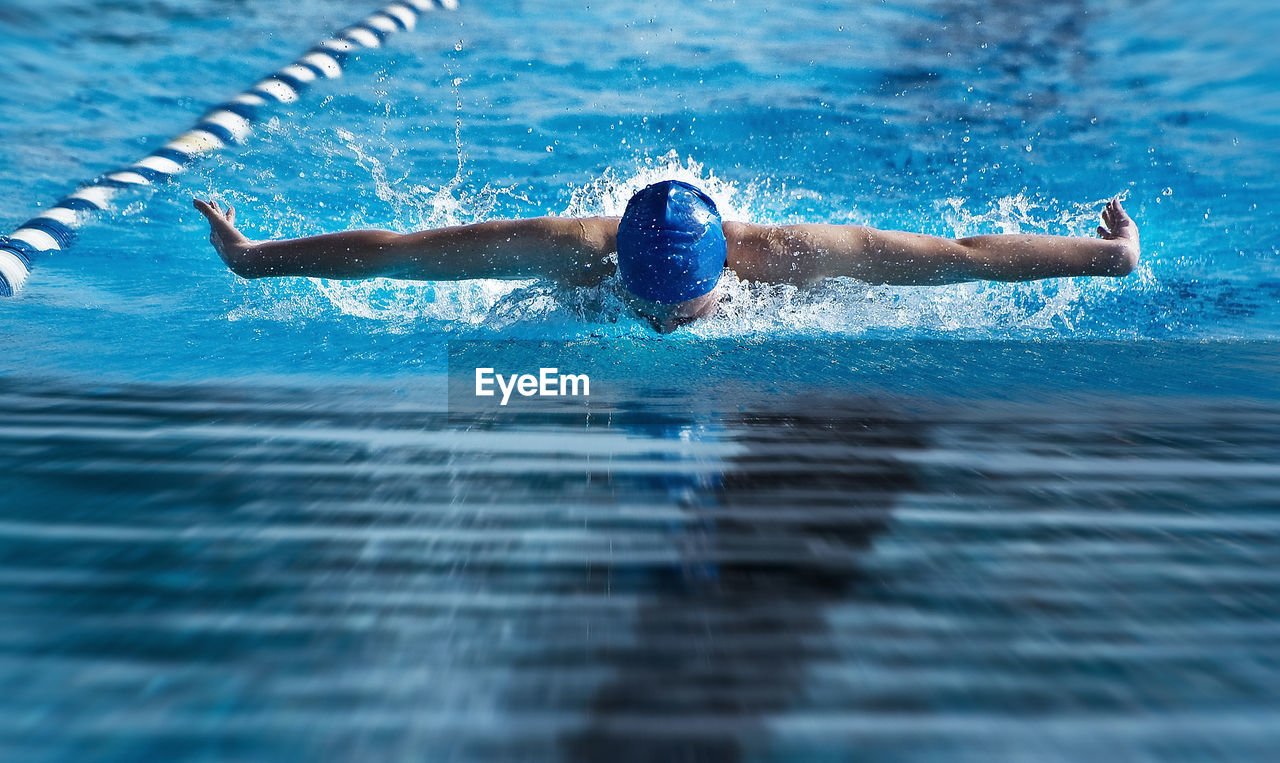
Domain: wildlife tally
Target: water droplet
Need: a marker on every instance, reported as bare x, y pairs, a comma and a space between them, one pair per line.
1167, 192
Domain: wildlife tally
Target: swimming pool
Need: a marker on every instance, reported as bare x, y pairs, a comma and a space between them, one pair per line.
1012, 521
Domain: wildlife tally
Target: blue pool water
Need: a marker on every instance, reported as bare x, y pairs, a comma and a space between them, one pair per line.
984, 521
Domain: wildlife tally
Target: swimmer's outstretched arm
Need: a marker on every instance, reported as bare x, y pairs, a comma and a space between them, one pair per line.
567, 249
576, 250
806, 253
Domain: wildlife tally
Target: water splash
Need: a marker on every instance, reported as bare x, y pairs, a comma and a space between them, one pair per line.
416, 206
840, 307
607, 195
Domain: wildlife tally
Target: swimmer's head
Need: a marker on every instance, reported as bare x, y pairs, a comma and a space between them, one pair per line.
671, 252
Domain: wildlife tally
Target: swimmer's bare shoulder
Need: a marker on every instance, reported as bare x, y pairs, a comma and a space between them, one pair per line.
805, 253
586, 253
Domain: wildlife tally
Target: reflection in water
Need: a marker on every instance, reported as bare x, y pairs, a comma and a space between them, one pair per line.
727, 638
197, 573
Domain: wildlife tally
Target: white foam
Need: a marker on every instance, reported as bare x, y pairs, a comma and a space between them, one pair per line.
608, 195
839, 307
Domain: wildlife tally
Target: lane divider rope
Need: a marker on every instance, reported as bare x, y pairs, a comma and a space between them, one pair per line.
226, 124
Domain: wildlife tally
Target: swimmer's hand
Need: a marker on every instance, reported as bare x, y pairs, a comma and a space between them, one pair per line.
1118, 226
230, 243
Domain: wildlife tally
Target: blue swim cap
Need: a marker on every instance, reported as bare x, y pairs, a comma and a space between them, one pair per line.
670, 245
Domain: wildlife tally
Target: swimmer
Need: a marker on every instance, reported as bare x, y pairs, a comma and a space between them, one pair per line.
672, 250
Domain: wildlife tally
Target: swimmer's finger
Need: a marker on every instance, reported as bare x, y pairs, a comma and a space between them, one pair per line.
231, 214
203, 207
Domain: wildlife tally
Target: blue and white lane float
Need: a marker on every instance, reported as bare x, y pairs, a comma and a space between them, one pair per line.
223, 125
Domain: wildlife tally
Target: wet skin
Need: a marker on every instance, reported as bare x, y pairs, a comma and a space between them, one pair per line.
580, 251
